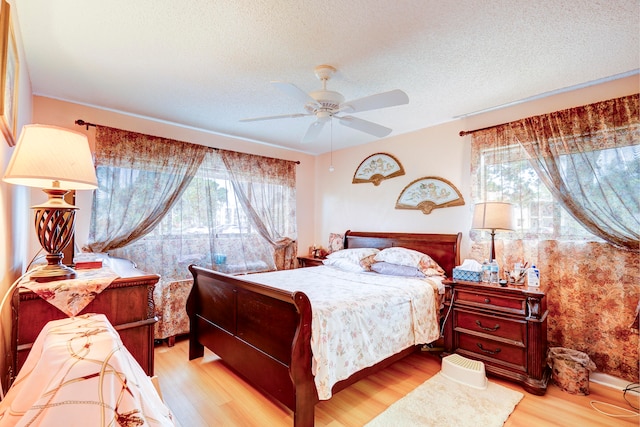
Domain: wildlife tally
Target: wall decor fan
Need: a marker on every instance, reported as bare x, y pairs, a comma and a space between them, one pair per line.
327, 104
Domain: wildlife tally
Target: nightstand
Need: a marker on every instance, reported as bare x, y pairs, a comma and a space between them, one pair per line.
307, 261
127, 302
504, 327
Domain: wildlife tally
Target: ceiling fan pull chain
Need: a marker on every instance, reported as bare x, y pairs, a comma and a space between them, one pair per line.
331, 147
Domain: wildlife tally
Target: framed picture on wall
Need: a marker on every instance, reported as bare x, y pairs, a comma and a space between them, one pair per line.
8, 75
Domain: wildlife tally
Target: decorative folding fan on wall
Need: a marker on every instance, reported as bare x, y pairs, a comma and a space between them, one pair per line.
429, 193
327, 104
376, 168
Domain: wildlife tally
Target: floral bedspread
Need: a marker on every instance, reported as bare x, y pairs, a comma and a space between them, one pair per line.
71, 296
79, 373
360, 319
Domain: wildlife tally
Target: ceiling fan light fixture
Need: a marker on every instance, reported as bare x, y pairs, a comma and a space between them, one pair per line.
327, 104
323, 116
327, 98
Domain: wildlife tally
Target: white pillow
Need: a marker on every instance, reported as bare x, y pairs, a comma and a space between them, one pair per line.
350, 259
410, 258
344, 264
355, 254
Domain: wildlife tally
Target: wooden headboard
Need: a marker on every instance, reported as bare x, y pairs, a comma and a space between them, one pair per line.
442, 248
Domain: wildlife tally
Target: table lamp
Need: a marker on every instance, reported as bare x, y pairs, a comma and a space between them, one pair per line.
493, 216
57, 160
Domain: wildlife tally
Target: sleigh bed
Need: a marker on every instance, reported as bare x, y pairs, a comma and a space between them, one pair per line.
265, 333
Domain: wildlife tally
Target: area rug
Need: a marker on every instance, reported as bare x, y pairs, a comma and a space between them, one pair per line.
440, 401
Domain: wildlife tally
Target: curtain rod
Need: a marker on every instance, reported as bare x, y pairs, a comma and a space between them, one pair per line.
469, 132
81, 122
547, 94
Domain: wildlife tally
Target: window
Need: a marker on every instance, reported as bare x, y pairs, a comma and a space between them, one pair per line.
505, 174
205, 202
551, 166
207, 219
166, 204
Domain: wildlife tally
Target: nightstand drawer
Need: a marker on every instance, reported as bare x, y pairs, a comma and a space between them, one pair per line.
492, 301
512, 330
514, 357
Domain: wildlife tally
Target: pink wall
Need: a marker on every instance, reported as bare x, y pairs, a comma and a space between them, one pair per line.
15, 215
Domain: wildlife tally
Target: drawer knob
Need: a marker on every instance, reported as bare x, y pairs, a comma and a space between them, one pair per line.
487, 300
484, 350
484, 328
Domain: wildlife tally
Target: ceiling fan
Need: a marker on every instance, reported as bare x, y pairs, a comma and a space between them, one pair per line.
326, 104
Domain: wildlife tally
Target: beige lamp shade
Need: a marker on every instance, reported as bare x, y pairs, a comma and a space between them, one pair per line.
493, 216
46, 154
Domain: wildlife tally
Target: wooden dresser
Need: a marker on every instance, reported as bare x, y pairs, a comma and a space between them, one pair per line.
504, 327
127, 302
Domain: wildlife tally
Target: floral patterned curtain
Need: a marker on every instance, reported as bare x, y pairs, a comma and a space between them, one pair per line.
592, 286
265, 188
210, 220
589, 158
139, 178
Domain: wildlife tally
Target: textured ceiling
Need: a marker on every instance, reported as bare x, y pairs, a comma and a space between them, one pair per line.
207, 64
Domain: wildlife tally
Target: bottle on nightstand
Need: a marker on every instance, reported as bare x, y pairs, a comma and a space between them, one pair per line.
485, 274
495, 272
533, 277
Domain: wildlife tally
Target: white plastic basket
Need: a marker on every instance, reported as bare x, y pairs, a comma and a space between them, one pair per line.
464, 371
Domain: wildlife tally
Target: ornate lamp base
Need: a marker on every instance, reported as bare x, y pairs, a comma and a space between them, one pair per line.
52, 272
54, 222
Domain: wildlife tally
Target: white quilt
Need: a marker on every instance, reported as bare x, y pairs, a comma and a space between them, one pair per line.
360, 319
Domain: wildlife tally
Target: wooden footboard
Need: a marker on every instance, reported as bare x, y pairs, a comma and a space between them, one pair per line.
261, 332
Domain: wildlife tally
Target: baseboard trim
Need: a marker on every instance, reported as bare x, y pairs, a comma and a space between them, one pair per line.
611, 381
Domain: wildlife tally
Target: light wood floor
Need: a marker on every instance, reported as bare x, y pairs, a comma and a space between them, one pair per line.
205, 392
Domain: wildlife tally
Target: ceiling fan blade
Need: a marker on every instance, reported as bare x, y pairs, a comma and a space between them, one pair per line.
373, 102
295, 92
282, 116
365, 126
313, 131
